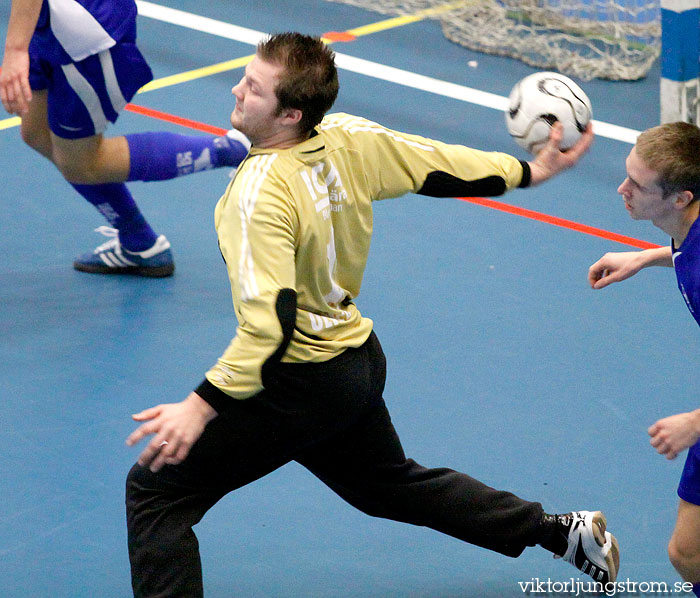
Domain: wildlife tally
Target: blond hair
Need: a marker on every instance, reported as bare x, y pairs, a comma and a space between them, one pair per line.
673, 151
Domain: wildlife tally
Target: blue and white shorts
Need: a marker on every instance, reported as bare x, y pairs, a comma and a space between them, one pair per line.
689, 486
83, 97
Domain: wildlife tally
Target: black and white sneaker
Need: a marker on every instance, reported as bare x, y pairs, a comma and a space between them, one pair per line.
590, 548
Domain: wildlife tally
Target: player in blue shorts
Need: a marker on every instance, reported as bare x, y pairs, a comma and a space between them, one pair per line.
69, 68
663, 185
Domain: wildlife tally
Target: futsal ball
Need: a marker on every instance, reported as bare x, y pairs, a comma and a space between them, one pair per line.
538, 101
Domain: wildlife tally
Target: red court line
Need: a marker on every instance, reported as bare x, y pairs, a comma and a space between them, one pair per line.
339, 36
570, 224
480, 201
178, 120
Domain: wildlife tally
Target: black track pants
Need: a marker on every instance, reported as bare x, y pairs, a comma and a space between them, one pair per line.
329, 417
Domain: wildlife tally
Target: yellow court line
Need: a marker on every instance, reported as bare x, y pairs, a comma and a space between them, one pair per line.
206, 71
10, 122
230, 65
169, 81
407, 19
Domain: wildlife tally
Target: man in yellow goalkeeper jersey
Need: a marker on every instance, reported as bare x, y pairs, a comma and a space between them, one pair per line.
302, 379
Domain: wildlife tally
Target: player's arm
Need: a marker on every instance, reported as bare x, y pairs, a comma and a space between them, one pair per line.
615, 267
268, 317
550, 160
15, 92
395, 163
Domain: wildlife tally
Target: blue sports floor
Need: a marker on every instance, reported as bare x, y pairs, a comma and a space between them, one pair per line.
502, 362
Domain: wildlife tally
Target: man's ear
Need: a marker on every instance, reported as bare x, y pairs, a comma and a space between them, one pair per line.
291, 116
683, 199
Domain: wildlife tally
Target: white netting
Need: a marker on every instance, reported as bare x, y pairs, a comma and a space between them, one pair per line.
607, 39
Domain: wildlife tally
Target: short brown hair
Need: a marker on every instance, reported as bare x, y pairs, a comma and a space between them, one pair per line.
673, 150
309, 81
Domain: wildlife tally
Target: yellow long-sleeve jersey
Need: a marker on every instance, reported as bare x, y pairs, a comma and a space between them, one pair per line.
301, 219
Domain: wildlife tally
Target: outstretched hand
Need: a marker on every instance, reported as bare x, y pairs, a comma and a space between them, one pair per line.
671, 435
175, 428
551, 160
614, 267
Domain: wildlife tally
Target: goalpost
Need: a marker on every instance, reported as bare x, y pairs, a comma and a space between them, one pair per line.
680, 62
606, 39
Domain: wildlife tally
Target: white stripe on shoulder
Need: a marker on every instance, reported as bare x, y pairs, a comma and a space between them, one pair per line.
354, 124
343, 120
87, 95
253, 178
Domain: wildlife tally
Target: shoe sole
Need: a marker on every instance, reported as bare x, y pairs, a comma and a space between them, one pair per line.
148, 272
612, 559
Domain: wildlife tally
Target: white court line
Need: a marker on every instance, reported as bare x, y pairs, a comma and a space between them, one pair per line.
362, 67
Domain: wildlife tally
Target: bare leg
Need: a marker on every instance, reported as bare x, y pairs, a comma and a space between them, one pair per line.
35, 125
92, 160
684, 546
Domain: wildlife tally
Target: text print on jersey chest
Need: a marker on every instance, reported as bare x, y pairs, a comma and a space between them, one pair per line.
325, 187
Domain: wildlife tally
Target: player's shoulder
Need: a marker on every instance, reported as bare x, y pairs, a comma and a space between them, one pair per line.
691, 246
262, 174
343, 123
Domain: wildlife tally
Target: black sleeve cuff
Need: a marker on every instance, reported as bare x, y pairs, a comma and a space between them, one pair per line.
216, 397
527, 174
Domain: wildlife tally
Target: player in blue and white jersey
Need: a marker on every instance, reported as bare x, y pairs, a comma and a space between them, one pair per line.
69, 68
663, 185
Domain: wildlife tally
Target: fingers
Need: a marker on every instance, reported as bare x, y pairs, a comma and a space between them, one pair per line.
146, 414
7, 94
555, 135
670, 451
155, 453
664, 449
605, 279
600, 276
574, 153
4, 98
551, 159
16, 95
595, 274
26, 97
161, 452
174, 429
662, 442
15, 90
656, 442
169, 453
158, 449
141, 432
583, 144
612, 267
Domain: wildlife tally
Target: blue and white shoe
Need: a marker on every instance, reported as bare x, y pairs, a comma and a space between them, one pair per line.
112, 258
590, 548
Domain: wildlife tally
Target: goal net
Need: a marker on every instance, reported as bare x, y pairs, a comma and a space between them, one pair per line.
607, 39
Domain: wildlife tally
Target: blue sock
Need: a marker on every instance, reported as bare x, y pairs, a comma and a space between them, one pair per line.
159, 156
116, 204
696, 589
